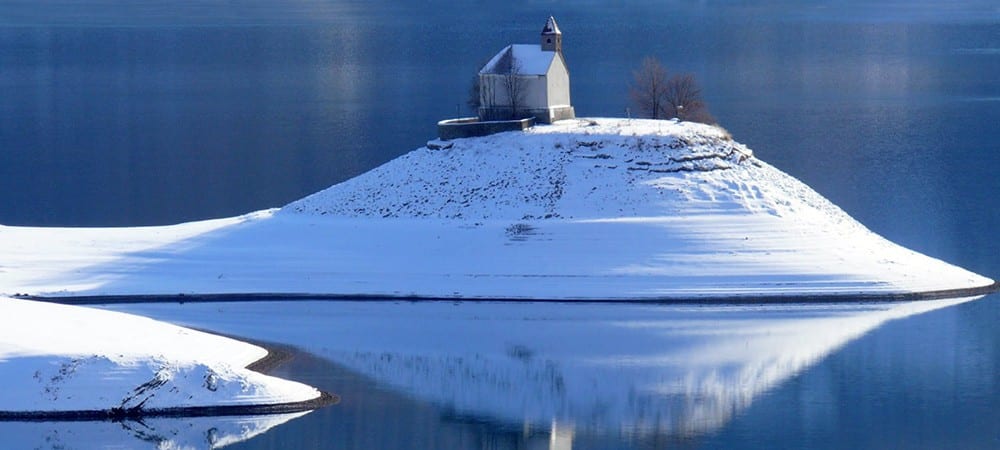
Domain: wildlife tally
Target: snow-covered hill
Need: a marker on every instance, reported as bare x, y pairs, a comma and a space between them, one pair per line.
579, 169
623, 208
609, 209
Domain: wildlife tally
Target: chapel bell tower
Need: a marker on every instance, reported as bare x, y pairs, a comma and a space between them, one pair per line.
551, 36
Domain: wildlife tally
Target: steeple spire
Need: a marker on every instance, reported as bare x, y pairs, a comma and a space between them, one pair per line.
551, 36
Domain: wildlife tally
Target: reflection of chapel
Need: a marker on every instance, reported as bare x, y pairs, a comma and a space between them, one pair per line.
539, 77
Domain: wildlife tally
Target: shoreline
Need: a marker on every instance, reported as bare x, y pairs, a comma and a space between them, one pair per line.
277, 355
834, 297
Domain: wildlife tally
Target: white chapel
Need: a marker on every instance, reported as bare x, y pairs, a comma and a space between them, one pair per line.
525, 80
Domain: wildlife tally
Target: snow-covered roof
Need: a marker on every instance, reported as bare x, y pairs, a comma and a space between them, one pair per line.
551, 27
530, 59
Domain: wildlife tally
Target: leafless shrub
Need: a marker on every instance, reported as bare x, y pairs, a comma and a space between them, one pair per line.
648, 89
656, 95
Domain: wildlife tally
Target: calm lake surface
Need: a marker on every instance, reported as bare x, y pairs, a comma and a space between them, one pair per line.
116, 113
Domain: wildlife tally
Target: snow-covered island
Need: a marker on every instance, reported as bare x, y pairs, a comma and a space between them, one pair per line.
601, 209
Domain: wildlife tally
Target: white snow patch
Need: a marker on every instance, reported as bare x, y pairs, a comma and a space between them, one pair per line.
66, 358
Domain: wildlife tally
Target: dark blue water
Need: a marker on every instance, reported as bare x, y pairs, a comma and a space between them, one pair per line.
128, 113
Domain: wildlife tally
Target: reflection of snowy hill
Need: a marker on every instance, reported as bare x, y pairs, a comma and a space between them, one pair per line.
606, 209
151, 433
656, 369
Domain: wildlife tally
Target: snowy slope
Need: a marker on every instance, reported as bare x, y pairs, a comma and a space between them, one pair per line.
571, 170
600, 209
67, 358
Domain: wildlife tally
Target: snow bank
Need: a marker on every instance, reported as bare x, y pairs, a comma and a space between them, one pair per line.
65, 358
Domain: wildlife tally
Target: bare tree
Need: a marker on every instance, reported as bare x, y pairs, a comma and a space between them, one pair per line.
657, 95
515, 87
499, 93
480, 94
483, 97
683, 100
648, 88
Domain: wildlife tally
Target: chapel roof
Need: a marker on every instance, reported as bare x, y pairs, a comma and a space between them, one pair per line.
529, 59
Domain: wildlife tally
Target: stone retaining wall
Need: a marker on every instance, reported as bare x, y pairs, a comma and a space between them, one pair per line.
472, 126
